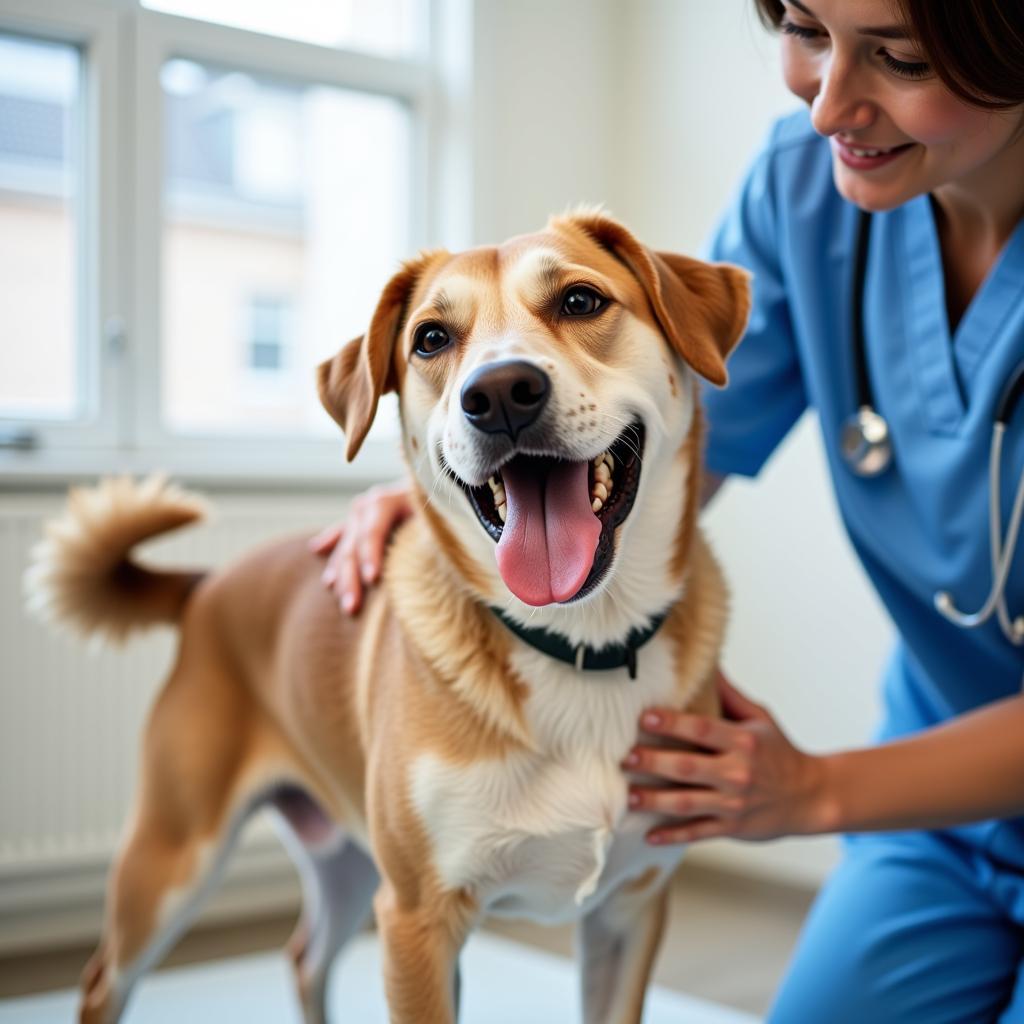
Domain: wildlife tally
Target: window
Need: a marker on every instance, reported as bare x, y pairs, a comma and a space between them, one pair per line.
200, 200
381, 26
271, 188
268, 330
40, 167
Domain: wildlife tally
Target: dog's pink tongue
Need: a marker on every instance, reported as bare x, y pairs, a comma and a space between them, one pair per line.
550, 534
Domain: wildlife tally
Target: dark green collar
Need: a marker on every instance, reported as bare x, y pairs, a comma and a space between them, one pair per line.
583, 657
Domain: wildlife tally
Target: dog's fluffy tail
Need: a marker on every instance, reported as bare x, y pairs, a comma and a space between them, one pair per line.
81, 575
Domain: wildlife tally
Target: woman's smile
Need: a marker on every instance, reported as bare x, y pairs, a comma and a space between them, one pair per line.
863, 157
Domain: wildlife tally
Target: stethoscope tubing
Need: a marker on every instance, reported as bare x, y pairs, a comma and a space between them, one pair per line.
1001, 555
867, 452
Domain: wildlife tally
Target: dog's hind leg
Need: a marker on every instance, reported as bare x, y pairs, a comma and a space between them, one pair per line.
619, 941
338, 883
157, 888
196, 790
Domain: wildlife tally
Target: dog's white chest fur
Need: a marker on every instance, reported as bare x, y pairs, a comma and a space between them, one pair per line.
545, 834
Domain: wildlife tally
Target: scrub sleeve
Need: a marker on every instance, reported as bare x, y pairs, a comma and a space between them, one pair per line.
912, 926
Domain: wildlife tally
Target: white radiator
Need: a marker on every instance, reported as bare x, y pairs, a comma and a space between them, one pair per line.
70, 725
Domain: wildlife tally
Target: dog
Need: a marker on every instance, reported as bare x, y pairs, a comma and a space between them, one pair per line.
455, 750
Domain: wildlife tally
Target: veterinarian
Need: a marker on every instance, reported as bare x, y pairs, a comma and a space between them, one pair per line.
904, 330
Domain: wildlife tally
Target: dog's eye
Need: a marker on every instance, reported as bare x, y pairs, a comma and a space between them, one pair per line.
581, 301
430, 338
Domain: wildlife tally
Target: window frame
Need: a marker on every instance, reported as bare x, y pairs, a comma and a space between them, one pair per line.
97, 33
125, 46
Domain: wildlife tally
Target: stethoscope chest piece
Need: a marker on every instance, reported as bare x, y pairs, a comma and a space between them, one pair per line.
863, 437
865, 443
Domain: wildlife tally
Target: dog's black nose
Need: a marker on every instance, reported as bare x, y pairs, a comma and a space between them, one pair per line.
504, 398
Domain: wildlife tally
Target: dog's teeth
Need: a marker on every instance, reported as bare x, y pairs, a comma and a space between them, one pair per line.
497, 486
597, 505
602, 480
611, 462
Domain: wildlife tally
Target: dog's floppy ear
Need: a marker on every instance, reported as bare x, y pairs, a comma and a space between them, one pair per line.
351, 383
702, 308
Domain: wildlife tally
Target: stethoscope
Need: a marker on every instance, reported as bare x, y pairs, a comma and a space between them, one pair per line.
867, 449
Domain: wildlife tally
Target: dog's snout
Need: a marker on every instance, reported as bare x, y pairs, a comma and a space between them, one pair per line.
505, 398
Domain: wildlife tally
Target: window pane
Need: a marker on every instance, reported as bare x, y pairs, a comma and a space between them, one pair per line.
269, 325
386, 27
39, 179
285, 211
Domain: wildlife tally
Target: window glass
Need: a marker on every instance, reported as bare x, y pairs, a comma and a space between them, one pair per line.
40, 100
286, 209
268, 333
386, 27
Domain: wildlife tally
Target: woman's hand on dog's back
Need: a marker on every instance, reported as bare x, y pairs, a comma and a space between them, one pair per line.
355, 548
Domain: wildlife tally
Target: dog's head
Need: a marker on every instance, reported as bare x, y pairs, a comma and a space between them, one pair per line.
546, 390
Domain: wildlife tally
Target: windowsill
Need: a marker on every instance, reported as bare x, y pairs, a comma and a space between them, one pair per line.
280, 469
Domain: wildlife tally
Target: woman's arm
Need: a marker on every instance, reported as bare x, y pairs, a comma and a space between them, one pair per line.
746, 780
967, 769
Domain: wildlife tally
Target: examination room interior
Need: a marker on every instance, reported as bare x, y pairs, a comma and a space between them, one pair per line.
173, 194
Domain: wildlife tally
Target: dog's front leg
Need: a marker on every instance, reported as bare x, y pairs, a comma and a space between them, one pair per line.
618, 943
420, 944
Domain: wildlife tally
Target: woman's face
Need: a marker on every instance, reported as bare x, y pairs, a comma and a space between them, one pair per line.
896, 131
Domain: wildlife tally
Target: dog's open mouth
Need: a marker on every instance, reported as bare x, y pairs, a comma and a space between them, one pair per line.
555, 521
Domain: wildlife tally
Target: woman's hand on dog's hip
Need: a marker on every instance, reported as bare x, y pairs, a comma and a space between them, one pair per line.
736, 776
355, 548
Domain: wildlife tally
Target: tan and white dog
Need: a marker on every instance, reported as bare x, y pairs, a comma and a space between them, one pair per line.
442, 757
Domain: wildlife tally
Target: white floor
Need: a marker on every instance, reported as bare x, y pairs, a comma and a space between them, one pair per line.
502, 983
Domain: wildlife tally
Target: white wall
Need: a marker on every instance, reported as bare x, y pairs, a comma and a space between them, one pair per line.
655, 107
545, 110
700, 86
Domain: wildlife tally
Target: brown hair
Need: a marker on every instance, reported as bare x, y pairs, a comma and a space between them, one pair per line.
975, 46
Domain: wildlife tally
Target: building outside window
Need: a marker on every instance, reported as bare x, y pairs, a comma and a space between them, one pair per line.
255, 197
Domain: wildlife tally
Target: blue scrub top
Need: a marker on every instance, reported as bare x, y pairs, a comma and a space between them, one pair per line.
921, 526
